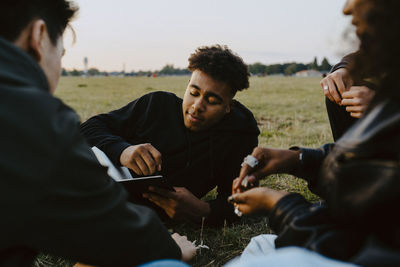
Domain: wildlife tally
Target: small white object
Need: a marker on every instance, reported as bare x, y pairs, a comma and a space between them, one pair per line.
245, 182
326, 87
238, 212
250, 160
200, 246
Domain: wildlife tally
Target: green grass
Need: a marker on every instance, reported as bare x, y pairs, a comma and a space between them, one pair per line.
289, 111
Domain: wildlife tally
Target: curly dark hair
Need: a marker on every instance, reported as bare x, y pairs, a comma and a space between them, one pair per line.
222, 65
15, 15
379, 53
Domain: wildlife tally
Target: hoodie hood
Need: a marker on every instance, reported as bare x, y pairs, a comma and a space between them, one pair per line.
19, 68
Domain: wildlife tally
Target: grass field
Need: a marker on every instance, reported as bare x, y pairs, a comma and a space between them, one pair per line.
289, 111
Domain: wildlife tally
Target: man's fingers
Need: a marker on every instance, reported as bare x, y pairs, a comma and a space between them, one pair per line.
156, 155
156, 199
243, 173
163, 192
142, 165
339, 84
152, 199
135, 168
333, 91
149, 161
235, 184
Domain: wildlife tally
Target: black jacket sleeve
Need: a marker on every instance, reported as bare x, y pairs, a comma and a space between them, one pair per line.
310, 164
110, 131
62, 201
300, 223
344, 63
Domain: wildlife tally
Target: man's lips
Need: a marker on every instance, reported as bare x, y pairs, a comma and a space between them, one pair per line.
194, 118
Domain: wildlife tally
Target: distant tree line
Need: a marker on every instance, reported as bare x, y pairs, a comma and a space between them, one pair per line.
169, 69
288, 68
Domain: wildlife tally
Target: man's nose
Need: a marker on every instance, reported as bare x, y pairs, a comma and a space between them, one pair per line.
199, 105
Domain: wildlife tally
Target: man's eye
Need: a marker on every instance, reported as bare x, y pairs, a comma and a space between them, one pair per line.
194, 93
213, 101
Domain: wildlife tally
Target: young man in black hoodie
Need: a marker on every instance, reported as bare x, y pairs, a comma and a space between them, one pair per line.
198, 143
55, 197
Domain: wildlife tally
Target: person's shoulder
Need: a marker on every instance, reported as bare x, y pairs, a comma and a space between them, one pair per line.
161, 96
158, 98
241, 111
41, 123
40, 105
57, 118
242, 117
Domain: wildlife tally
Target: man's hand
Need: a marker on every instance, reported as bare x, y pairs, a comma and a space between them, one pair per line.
269, 161
187, 248
143, 159
335, 84
357, 100
180, 204
256, 200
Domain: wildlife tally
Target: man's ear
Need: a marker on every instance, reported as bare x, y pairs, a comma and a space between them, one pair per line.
37, 35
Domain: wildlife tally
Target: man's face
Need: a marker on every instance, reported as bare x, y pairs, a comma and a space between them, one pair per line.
206, 101
51, 61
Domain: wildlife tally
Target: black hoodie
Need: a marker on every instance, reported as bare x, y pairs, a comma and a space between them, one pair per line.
54, 196
198, 161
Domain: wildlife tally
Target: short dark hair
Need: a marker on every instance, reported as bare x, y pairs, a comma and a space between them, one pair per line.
15, 15
221, 64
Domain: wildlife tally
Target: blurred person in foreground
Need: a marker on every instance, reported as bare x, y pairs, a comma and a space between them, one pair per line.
197, 142
358, 177
55, 197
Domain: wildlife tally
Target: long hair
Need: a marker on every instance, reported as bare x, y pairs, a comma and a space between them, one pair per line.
379, 53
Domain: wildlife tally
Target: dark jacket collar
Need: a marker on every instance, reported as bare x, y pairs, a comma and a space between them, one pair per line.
19, 68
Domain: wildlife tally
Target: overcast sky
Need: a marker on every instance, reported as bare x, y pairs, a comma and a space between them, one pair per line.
147, 34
